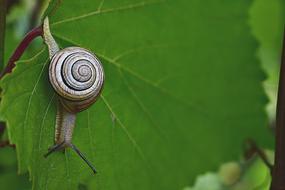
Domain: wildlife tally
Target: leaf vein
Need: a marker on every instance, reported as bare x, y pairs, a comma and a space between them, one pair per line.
142, 106
43, 121
110, 10
132, 140
30, 99
138, 76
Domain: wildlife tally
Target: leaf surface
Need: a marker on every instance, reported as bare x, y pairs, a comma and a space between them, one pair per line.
182, 91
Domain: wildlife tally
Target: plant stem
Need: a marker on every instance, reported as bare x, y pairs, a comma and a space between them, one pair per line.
21, 48
11, 64
3, 8
16, 55
278, 176
251, 149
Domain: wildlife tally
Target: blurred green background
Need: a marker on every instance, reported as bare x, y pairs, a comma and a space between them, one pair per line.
266, 20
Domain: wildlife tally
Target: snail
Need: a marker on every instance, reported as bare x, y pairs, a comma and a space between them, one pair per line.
77, 77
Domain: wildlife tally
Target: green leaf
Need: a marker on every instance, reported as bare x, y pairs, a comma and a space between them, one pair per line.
267, 18
182, 92
8, 175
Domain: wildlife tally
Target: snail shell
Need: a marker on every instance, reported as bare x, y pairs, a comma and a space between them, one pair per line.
77, 77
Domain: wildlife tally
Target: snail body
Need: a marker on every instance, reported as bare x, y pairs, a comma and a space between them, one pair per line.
77, 77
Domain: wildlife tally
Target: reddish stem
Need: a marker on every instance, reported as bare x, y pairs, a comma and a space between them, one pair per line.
38, 31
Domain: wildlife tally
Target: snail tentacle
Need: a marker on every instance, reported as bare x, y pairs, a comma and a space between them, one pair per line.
54, 148
83, 157
48, 38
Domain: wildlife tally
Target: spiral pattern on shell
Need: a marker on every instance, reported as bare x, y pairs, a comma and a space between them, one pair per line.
77, 76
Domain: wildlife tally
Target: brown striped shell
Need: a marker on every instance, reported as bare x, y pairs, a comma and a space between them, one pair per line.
77, 76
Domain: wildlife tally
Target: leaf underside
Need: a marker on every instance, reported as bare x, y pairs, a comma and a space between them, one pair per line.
182, 91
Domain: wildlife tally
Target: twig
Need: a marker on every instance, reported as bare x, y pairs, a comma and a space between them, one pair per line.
278, 176
251, 148
21, 48
11, 64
